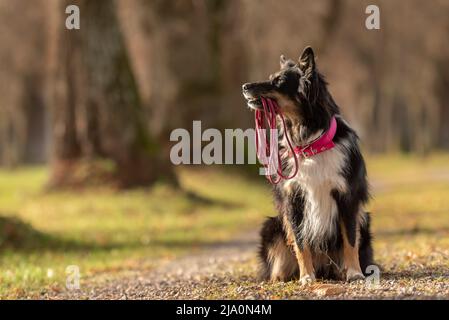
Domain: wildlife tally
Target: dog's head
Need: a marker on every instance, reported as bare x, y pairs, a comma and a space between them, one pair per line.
297, 89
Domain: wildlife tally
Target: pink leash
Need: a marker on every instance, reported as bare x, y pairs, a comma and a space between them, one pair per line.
270, 111
268, 116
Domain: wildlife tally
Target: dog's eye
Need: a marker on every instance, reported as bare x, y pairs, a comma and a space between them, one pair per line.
276, 81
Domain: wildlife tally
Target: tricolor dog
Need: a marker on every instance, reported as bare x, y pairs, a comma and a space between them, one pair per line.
322, 229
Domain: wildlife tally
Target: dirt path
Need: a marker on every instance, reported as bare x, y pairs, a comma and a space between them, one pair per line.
191, 276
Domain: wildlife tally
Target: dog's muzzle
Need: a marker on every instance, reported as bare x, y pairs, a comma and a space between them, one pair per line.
253, 101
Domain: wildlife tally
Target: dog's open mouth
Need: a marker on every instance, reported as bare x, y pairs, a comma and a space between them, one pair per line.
254, 103
254, 93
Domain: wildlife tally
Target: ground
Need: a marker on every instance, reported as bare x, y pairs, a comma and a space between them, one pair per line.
201, 242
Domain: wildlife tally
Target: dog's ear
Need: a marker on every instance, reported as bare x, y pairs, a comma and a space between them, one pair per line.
307, 62
283, 61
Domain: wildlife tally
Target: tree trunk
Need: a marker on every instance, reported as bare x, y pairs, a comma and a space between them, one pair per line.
96, 108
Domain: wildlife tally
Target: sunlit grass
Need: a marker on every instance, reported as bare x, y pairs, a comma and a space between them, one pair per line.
105, 231
411, 214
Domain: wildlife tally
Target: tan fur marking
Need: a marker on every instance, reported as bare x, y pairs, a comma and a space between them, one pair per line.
288, 231
351, 254
288, 107
305, 262
304, 257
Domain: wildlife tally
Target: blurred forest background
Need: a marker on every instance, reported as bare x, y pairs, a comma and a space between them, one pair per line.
137, 69
87, 113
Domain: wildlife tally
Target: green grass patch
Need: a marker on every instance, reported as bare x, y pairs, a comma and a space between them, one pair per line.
104, 230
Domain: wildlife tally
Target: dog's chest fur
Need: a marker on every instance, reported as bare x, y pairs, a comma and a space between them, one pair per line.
317, 177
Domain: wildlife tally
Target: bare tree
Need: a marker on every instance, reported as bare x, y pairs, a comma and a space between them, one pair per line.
22, 107
96, 108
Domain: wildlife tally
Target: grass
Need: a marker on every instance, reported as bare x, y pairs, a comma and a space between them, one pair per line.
103, 231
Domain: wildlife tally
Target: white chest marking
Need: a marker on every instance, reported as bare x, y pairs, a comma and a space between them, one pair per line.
317, 177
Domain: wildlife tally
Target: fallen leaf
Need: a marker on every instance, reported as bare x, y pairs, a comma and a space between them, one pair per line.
323, 290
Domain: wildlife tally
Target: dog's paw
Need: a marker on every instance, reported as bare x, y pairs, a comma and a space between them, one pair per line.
307, 279
354, 275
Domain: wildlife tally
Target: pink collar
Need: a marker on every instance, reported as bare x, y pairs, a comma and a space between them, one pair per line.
320, 144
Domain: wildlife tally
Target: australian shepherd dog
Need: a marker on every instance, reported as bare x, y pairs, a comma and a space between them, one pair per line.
322, 229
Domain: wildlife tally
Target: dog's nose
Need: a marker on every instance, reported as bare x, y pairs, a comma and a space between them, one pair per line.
245, 86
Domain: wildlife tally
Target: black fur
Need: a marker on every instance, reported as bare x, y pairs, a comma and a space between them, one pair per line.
365, 247
301, 91
272, 229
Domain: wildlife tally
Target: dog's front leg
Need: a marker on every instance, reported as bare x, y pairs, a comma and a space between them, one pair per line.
351, 251
350, 231
293, 214
305, 261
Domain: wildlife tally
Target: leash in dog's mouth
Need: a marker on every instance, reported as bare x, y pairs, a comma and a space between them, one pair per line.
266, 116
